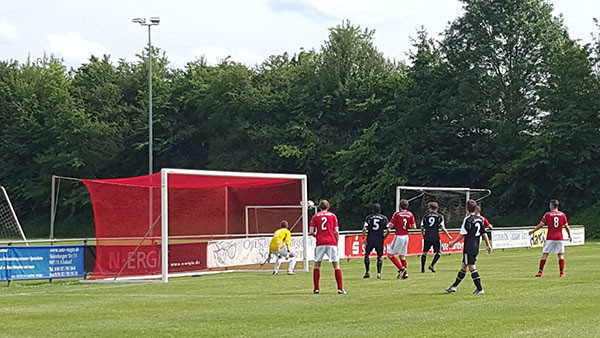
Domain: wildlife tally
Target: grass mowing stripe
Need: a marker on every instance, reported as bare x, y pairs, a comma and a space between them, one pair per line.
262, 305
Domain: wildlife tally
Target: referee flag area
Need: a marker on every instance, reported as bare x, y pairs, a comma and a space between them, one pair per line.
257, 304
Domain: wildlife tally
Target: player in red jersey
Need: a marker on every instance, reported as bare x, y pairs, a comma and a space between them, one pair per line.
555, 220
324, 226
486, 223
402, 220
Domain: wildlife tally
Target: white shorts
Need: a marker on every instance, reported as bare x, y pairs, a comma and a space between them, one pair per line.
399, 245
283, 252
330, 250
553, 246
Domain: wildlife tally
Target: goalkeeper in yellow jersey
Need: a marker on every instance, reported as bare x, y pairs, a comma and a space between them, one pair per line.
280, 247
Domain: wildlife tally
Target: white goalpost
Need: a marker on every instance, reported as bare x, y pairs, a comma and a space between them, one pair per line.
165, 173
452, 200
10, 228
203, 222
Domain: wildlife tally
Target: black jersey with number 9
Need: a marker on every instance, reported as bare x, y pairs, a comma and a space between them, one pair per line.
432, 223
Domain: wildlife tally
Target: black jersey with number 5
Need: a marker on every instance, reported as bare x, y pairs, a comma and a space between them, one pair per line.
472, 228
432, 223
375, 224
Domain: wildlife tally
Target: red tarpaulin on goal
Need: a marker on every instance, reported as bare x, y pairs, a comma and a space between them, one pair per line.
198, 205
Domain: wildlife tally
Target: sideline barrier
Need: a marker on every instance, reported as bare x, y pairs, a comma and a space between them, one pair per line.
41, 262
354, 248
250, 251
508, 238
49, 262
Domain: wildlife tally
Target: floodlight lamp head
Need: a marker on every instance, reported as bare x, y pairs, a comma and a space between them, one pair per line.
141, 21
154, 20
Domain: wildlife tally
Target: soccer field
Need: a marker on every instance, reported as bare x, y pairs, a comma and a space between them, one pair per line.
260, 304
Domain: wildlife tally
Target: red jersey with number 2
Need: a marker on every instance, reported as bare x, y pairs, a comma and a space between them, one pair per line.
402, 220
325, 222
555, 220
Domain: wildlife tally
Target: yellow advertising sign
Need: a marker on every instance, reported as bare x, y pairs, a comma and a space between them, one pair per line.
538, 238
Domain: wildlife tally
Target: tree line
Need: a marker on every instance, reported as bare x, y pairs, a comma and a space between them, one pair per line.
504, 99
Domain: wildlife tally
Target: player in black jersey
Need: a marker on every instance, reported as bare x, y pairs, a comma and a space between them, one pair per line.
472, 230
431, 224
377, 226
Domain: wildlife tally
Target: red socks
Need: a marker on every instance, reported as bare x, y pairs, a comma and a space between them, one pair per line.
396, 262
561, 265
542, 263
404, 264
338, 279
316, 277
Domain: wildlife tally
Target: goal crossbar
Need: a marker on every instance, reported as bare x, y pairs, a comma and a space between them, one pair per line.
165, 172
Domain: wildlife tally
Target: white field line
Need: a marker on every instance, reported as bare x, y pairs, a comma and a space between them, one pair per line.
44, 292
152, 295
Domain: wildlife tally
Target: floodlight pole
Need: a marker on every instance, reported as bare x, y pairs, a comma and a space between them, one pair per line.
149, 102
154, 21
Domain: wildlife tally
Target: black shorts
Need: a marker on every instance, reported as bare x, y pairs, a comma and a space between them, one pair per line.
437, 247
469, 258
377, 246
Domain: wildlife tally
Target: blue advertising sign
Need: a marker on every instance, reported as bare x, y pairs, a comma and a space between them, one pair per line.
41, 262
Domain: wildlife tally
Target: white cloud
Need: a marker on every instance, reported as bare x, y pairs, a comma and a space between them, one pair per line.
73, 47
370, 12
214, 55
8, 32
304, 7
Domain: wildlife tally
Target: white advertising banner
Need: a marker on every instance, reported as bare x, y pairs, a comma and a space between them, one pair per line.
578, 236
249, 251
503, 239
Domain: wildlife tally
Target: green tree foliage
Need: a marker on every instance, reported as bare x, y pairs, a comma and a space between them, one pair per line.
505, 99
560, 159
498, 54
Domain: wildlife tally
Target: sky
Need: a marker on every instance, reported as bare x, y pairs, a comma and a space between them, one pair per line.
246, 31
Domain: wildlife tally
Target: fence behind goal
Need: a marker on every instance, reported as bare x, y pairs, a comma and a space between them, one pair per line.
172, 216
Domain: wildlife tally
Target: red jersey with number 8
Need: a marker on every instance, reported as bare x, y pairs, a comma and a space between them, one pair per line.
402, 220
325, 222
555, 220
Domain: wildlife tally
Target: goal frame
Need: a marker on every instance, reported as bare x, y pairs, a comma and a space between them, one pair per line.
165, 172
14, 215
467, 192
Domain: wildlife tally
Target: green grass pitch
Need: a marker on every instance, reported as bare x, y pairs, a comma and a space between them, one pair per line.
259, 304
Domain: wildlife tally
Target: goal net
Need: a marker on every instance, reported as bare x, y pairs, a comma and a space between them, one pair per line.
451, 201
261, 216
10, 228
189, 218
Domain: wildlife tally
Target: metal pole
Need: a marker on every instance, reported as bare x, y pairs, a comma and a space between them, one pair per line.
305, 222
52, 202
164, 231
149, 102
150, 167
